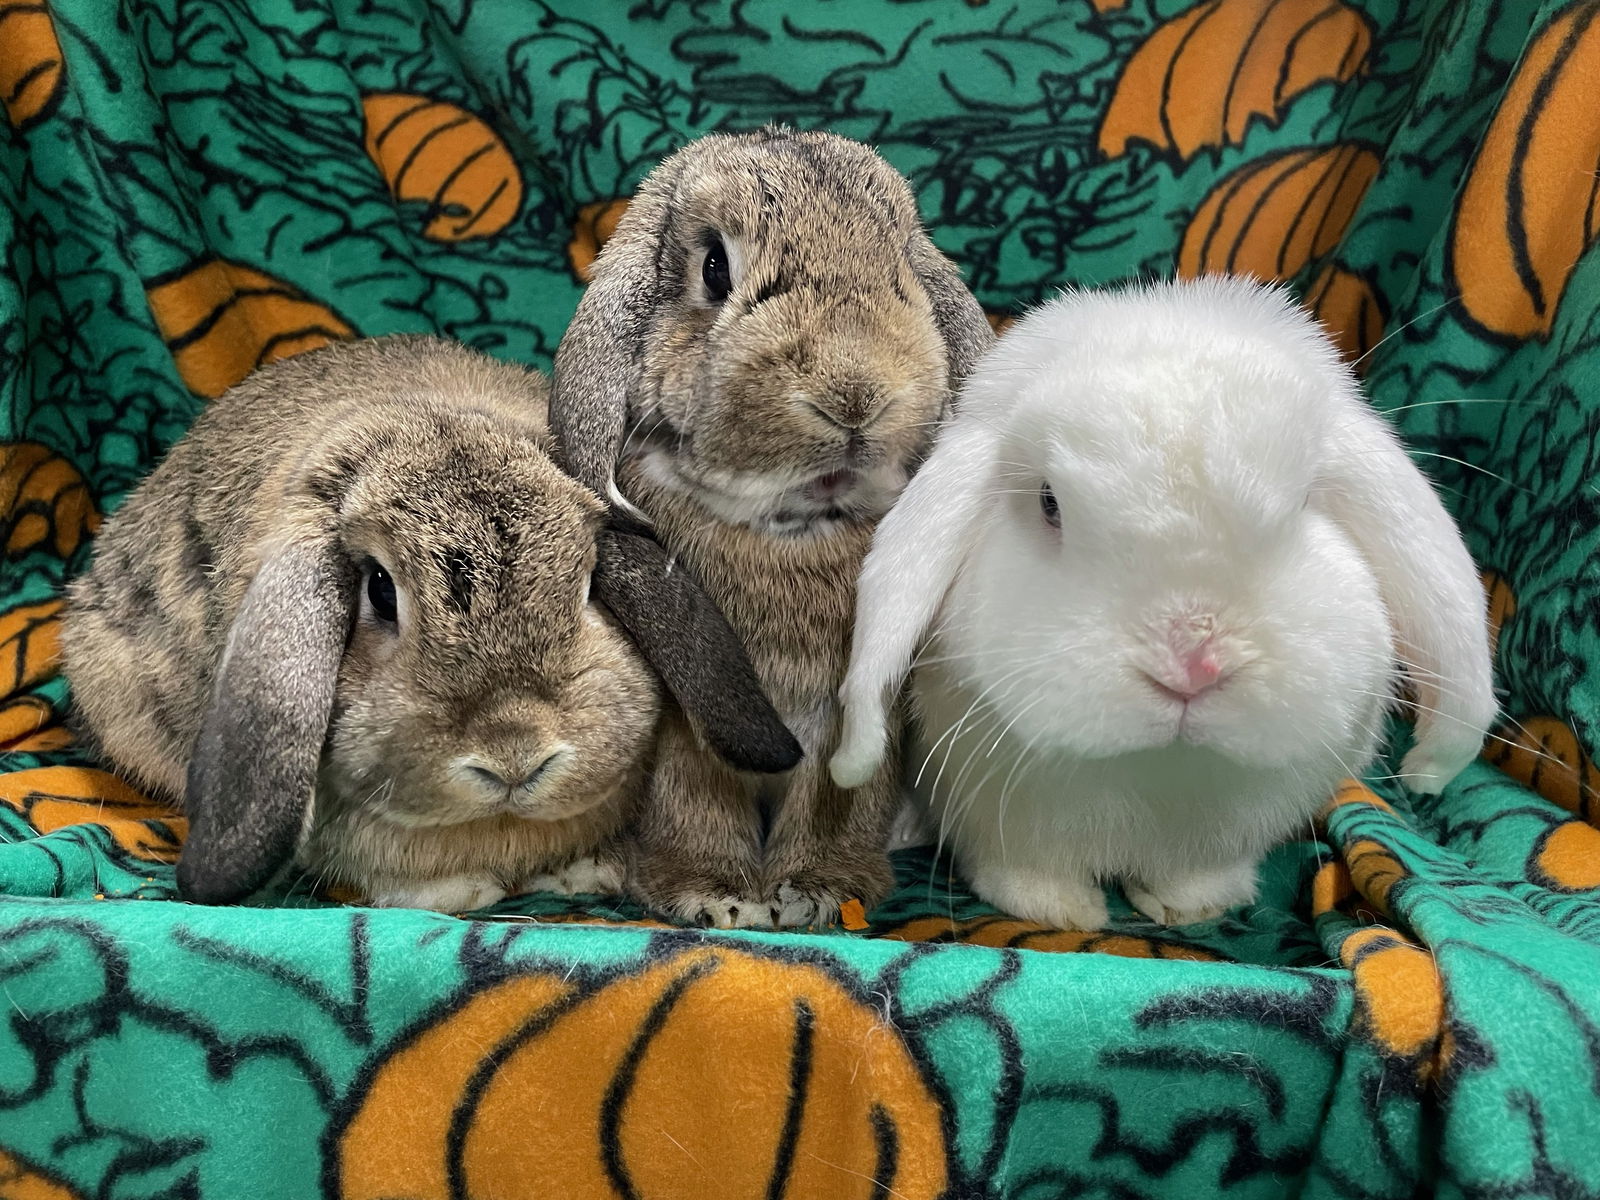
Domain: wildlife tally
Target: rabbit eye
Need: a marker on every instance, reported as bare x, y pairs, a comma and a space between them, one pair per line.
1049, 507
715, 273
381, 594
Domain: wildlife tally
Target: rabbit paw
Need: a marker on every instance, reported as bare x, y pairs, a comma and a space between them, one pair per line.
1194, 898
1051, 899
591, 875
717, 910
450, 894
813, 897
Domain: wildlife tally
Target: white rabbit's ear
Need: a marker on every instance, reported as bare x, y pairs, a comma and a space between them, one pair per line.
956, 312
598, 360
1429, 585
254, 766
916, 552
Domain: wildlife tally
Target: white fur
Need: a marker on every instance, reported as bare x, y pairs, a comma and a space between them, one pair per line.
1221, 484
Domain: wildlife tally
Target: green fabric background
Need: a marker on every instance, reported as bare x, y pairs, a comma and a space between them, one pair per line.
188, 185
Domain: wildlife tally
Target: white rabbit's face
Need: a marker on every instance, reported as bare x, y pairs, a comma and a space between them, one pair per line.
1158, 569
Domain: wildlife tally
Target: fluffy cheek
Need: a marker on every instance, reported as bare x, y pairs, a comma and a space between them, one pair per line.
1316, 693
1036, 650
608, 718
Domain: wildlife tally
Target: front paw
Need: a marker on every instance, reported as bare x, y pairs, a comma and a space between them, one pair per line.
449, 894
813, 896
591, 875
1189, 900
712, 899
1061, 901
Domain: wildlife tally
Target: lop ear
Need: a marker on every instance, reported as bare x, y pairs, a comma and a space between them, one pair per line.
956, 312
254, 767
916, 552
598, 360
685, 637
1428, 583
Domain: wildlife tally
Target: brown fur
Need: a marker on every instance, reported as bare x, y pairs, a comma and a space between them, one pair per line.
430, 459
836, 350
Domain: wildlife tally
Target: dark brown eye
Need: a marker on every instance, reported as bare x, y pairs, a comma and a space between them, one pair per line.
715, 273
381, 594
1049, 507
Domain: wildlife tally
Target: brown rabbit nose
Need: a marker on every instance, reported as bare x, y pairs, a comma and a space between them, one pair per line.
853, 407
514, 778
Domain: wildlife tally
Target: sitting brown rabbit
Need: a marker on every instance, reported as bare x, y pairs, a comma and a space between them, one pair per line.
761, 359
349, 619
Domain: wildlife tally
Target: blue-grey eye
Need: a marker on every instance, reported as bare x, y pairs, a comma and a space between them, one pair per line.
381, 595
715, 272
1049, 507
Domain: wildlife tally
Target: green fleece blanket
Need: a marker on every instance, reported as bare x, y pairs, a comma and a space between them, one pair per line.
191, 187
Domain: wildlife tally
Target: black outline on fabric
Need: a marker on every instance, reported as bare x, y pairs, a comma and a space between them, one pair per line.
799, 1088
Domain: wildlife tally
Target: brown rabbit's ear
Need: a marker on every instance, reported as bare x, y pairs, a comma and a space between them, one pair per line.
685, 637
254, 767
956, 312
598, 359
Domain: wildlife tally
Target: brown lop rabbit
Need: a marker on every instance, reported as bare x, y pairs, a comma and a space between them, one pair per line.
767, 346
348, 619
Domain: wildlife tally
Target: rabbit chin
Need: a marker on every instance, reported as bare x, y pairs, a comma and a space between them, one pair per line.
780, 503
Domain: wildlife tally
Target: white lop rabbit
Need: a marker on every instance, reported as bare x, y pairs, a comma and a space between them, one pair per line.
1174, 569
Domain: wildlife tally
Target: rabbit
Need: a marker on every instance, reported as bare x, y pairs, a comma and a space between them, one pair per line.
348, 620
1174, 569
768, 340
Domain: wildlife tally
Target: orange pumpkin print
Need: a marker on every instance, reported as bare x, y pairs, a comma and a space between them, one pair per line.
1373, 871
1349, 310
222, 320
1543, 754
1502, 605
32, 74
1353, 791
30, 724
444, 158
1273, 216
1400, 993
591, 231
1567, 857
999, 321
1200, 78
30, 646
641, 1078
1528, 209
51, 798
18, 1181
1010, 933
44, 502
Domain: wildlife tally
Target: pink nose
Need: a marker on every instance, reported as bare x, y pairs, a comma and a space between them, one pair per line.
1199, 670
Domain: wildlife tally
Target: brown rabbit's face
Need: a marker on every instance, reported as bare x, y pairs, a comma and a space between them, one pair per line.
479, 680
797, 373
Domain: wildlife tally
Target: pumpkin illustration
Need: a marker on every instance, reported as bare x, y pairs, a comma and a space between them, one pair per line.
1353, 791
1273, 216
1200, 78
51, 798
32, 76
1502, 605
1010, 933
1373, 871
999, 321
591, 230
30, 645
1401, 996
1349, 310
540, 1087
1567, 857
444, 158
222, 320
30, 724
19, 1181
44, 502
1529, 207
1543, 754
